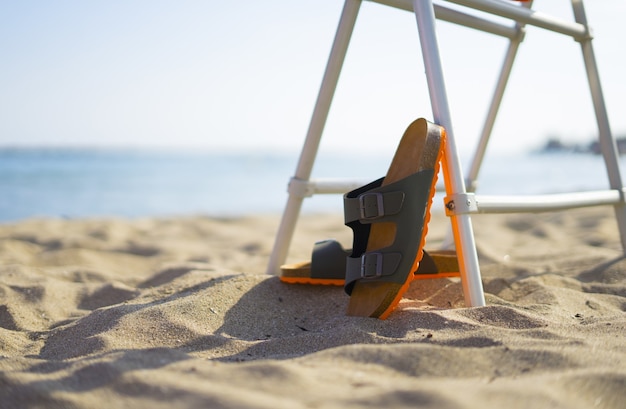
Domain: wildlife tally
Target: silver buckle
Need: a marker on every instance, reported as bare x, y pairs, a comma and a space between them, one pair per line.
367, 265
364, 199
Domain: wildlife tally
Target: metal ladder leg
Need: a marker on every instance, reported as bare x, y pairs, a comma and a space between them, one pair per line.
496, 100
318, 121
461, 223
607, 142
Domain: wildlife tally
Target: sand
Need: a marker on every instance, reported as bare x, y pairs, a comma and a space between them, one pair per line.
178, 313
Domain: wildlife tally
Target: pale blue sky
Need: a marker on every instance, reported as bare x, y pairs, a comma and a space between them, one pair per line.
229, 75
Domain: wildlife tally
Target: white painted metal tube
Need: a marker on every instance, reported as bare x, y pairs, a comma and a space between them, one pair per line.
308, 188
461, 224
475, 22
333, 186
457, 17
526, 16
328, 87
607, 142
494, 107
338, 52
547, 203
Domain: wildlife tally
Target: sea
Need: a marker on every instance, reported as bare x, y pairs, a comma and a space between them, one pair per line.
134, 183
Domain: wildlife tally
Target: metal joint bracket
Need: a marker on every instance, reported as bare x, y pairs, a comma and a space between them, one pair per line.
521, 33
300, 188
460, 203
588, 36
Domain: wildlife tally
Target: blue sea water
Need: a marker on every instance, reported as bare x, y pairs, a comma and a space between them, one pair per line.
79, 183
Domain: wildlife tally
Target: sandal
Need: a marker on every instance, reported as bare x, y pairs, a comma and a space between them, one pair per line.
389, 218
328, 265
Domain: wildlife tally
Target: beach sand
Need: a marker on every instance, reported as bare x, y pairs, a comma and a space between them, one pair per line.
178, 313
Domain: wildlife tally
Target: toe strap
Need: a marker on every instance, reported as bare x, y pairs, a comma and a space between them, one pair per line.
328, 260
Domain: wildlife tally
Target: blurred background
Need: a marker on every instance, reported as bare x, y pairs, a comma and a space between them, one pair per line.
142, 108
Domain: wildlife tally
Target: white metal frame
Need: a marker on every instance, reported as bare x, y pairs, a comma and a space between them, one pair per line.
460, 201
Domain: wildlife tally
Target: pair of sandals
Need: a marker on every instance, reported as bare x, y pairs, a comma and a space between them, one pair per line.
389, 219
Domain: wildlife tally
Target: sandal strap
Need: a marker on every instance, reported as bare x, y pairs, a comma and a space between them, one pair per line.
406, 213
328, 260
372, 265
369, 205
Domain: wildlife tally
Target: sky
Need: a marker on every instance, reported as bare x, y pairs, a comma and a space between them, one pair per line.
244, 75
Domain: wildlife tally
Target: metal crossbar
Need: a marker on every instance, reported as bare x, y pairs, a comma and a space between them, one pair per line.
460, 201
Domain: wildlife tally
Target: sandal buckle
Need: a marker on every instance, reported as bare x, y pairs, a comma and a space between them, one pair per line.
371, 265
371, 206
